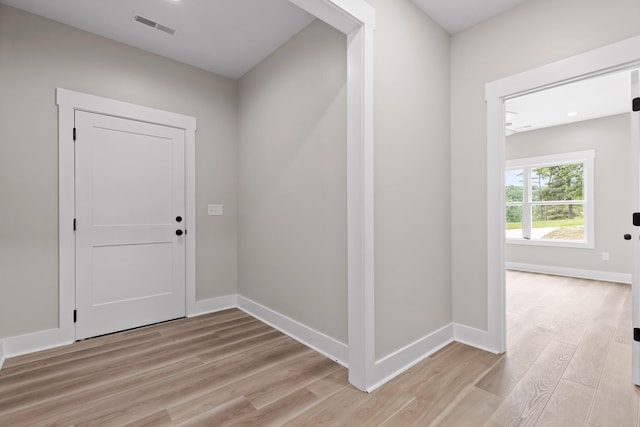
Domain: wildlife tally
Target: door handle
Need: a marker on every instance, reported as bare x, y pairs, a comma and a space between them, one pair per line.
179, 232
627, 237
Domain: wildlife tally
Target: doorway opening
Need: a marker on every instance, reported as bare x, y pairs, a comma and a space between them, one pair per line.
599, 63
567, 186
620, 56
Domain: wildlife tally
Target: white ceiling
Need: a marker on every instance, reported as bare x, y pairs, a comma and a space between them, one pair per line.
229, 37
226, 37
597, 97
457, 15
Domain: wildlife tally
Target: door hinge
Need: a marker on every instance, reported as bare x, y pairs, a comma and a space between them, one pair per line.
74, 224
75, 315
74, 134
636, 334
635, 105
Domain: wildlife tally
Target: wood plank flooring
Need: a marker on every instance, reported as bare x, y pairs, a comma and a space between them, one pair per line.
568, 364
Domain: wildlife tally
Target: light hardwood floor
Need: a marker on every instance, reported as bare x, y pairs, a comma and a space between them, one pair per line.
568, 364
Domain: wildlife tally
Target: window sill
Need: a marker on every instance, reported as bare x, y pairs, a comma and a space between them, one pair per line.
551, 243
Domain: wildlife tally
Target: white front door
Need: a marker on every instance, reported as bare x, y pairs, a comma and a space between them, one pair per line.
635, 199
130, 208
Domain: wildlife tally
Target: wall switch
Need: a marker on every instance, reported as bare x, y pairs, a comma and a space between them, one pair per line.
214, 210
605, 256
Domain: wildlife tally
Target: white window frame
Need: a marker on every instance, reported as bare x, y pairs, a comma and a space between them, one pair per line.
587, 158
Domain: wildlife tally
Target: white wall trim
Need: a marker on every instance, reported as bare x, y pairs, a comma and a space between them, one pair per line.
68, 102
473, 337
44, 340
635, 205
318, 341
213, 305
323, 344
399, 361
386, 368
36, 341
615, 57
2, 358
606, 276
356, 19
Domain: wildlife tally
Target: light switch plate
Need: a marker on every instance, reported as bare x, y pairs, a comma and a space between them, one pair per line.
214, 210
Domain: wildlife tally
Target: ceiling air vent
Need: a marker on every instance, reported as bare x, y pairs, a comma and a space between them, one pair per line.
165, 29
153, 24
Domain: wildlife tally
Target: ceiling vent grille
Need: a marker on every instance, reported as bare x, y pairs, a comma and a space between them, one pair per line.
153, 24
166, 29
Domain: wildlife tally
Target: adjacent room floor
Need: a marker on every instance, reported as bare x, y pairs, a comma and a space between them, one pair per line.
569, 363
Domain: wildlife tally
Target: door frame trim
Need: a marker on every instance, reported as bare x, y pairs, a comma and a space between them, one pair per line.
68, 103
356, 19
635, 205
620, 56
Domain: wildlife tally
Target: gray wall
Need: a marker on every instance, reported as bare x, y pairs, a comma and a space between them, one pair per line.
412, 178
288, 118
610, 137
532, 34
292, 181
36, 56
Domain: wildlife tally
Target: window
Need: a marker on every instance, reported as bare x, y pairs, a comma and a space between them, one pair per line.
549, 200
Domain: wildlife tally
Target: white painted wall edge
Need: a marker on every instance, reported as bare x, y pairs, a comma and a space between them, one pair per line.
212, 305
323, 344
607, 276
396, 363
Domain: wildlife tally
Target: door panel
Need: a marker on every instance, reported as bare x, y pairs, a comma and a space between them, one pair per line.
635, 199
127, 272
130, 264
143, 159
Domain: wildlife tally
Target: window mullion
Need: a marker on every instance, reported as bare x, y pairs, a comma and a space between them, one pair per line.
526, 204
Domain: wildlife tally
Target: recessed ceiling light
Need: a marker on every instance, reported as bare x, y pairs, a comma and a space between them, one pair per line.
572, 114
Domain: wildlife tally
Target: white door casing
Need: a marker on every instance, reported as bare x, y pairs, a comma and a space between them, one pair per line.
635, 205
70, 102
620, 56
130, 202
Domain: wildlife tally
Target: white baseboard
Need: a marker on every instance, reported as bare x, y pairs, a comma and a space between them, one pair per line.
321, 343
607, 276
1, 354
384, 370
43, 340
474, 337
214, 304
36, 341
394, 364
